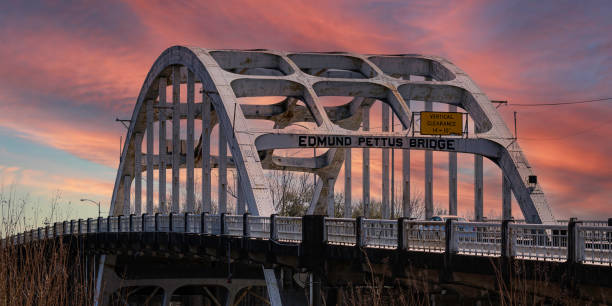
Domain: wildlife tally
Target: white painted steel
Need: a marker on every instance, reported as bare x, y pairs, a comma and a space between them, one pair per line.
527, 241
539, 241
596, 242
340, 231
212, 224
477, 238
259, 226
379, 233
428, 236
288, 229
233, 225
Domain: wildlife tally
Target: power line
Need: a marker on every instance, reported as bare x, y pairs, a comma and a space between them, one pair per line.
561, 103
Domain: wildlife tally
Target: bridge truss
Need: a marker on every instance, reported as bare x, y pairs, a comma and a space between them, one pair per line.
222, 79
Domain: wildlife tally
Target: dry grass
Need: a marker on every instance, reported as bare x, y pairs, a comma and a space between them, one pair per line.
48, 272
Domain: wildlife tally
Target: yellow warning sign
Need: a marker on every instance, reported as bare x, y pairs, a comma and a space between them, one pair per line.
441, 123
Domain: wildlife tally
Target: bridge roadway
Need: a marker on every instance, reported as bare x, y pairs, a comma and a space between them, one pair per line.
342, 251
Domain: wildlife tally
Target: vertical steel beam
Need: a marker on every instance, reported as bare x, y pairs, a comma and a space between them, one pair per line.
385, 164
347, 183
240, 201
392, 170
176, 136
150, 153
506, 198
366, 166
205, 154
137, 174
127, 188
222, 196
330, 197
406, 207
190, 158
428, 174
162, 145
478, 186
452, 176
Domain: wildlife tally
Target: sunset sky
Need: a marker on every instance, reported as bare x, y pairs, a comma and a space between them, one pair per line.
70, 68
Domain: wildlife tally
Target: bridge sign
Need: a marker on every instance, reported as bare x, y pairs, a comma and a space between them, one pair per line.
441, 123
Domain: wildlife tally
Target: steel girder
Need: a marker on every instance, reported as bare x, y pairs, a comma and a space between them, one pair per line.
227, 75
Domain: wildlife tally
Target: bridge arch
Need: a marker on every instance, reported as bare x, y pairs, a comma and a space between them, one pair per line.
226, 76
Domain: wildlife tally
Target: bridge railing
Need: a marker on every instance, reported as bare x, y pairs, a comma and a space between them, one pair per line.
575, 242
539, 241
288, 229
478, 238
258, 227
379, 233
341, 231
597, 245
428, 236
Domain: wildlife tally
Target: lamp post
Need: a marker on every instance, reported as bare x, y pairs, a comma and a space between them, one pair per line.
92, 201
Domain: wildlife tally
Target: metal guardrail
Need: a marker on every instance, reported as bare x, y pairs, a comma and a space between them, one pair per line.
576, 241
539, 241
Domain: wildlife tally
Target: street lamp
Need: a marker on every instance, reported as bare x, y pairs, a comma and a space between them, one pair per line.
92, 201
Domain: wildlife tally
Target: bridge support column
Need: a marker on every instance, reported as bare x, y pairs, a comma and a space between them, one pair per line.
176, 137
222, 197
150, 143
366, 167
205, 154
190, 205
385, 165
428, 175
347, 183
506, 199
272, 286
137, 174
452, 176
478, 188
162, 145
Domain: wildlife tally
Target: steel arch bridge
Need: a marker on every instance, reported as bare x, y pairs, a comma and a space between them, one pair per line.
226, 76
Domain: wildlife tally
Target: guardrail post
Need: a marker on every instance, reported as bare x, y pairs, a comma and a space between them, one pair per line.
131, 223
246, 231
143, 224
186, 224
359, 232
401, 240
222, 224
170, 223
506, 251
157, 222
450, 248
119, 225
313, 250
203, 229
575, 247
273, 230
506, 245
64, 228
108, 224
